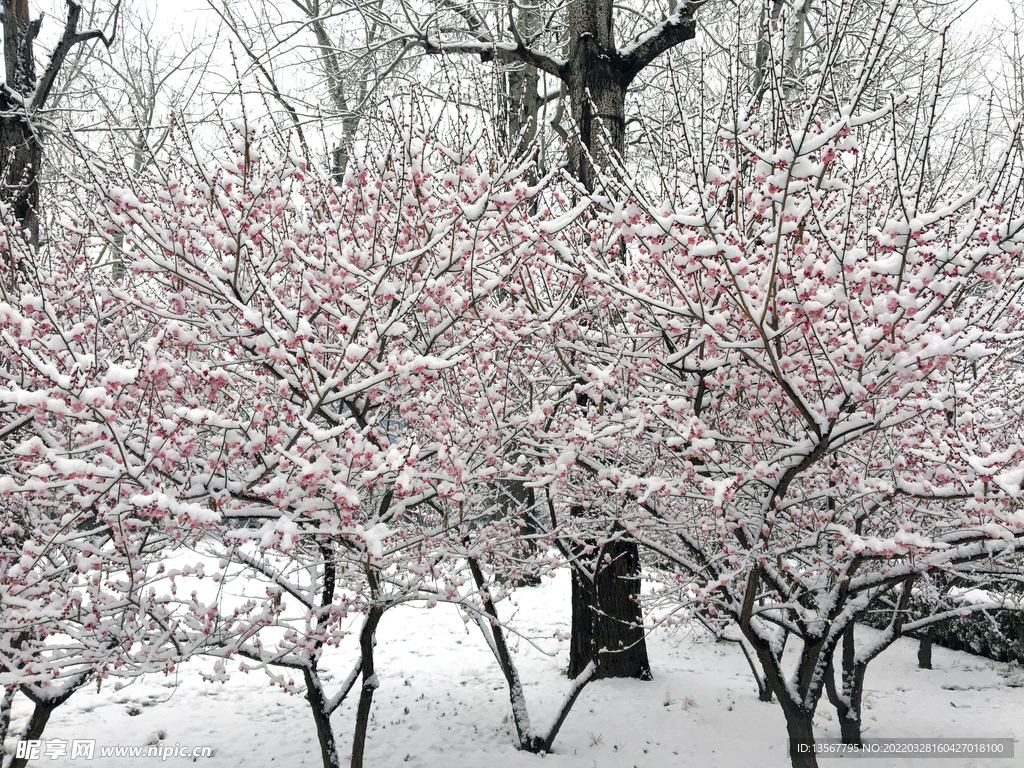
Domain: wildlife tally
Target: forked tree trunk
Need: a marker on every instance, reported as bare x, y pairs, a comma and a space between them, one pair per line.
528, 741
21, 150
849, 701
798, 700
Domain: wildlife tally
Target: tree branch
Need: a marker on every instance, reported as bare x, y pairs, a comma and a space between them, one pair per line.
501, 52
69, 40
677, 28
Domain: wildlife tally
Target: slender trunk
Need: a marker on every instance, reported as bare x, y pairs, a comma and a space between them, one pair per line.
849, 700
322, 718
850, 717
577, 688
924, 650
119, 261
36, 726
520, 715
370, 684
764, 690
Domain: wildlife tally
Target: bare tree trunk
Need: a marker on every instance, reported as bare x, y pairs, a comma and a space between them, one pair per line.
606, 612
799, 699
597, 87
848, 702
800, 728
524, 105
6, 706
607, 626
370, 684
21, 153
36, 725
520, 716
924, 650
322, 718
764, 690
21, 150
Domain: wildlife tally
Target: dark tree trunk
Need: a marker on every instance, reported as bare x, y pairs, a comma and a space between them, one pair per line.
519, 501
370, 684
581, 640
799, 702
6, 705
23, 95
924, 650
596, 82
606, 620
800, 727
36, 726
764, 688
517, 699
849, 701
20, 150
21, 155
322, 718
607, 626
605, 108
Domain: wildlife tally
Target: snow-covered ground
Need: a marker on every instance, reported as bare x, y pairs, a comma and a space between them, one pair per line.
443, 704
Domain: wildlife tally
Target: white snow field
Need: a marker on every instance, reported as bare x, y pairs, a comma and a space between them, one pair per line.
443, 704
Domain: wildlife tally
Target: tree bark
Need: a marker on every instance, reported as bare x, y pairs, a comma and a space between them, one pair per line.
370, 684
517, 699
6, 704
800, 728
21, 153
849, 701
924, 650
322, 718
607, 626
36, 725
597, 99
764, 689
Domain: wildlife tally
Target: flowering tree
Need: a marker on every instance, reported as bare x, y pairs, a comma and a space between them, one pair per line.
318, 324
810, 359
83, 514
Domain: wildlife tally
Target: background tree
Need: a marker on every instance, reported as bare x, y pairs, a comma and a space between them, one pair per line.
24, 94
820, 330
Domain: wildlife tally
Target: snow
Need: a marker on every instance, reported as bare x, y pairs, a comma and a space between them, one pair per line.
442, 701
